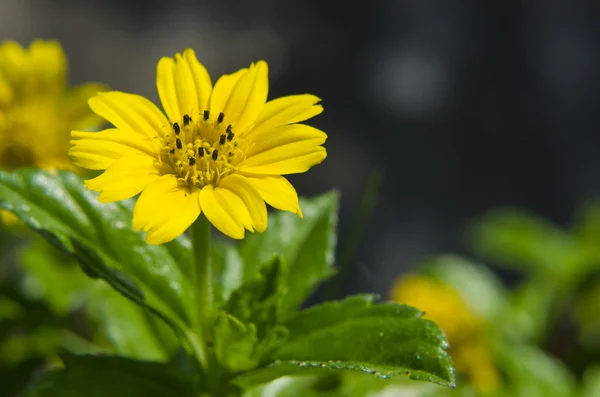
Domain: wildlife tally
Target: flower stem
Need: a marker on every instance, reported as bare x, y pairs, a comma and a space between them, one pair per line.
202, 278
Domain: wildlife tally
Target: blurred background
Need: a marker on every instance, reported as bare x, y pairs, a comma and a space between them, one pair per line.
461, 105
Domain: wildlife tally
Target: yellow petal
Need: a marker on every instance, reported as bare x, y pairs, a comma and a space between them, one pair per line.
129, 112
124, 178
222, 91
49, 65
225, 210
6, 92
165, 84
201, 78
185, 87
165, 209
285, 161
183, 84
14, 65
288, 134
287, 110
248, 98
99, 150
240, 186
278, 192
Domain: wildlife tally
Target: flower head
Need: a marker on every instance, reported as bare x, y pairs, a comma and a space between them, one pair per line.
37, 108
463, 328
219, 150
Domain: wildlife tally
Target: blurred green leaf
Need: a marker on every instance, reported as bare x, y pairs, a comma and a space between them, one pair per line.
9, 309
130, 329
53, 277
385, 340
62, 210
476, 285
525, 241
530, 310
590, 384
531, 372
101, 376
306, 246
348, 384
229, 269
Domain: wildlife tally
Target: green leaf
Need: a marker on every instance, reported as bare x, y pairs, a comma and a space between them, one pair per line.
383, 339
101, 376
228, 269
62, 210
590, 385
253, 317
258, 300
531, 372
53, 277
476, 285
306, 246
130, 329
526, 241
235, 344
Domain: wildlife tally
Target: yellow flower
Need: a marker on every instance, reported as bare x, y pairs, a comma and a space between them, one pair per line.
220, 150
463, 328
37, 108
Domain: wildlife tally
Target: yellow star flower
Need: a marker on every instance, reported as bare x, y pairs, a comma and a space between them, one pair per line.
463, 328
37, 108
219, 150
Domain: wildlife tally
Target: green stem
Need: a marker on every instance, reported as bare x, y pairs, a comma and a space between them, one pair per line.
202, 276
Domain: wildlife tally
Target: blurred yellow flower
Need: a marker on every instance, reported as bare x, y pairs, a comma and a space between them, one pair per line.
463, 328
37, 108
221, 150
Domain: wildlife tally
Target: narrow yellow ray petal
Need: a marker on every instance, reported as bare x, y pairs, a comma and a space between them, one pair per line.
248, 97
99, 150
283, 152
222, 91
240, 186
129, 112
286, 161
287, 110
124, 178
284, 135
278, 192
147, 146
185, 87
201, 78
165, 209
218, 213
165, 84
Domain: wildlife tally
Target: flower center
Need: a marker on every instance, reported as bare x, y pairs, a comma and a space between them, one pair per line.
202, 150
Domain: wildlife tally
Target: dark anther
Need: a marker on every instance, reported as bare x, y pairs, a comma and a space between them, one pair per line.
230, 154
222, 139
176, 128
201, 151
215, 154
206, 115
186, 119
178, 143
230, 136
221, 117
172, 151
228, 130
192, 160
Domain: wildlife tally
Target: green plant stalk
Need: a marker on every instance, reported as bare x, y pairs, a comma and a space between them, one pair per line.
202, 279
